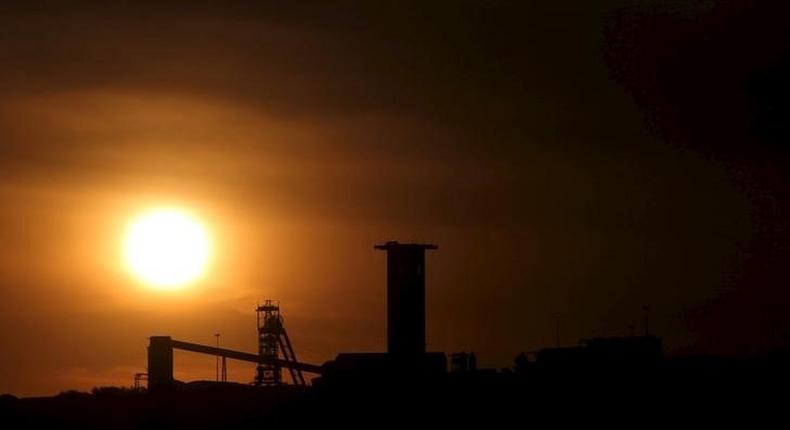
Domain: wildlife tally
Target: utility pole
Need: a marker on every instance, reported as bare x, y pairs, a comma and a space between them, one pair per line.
217, 364
557, 329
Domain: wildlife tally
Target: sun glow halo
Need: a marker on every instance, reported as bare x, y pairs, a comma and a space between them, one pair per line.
167, 249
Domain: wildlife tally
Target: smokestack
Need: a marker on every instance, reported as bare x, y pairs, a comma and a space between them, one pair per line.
405, 297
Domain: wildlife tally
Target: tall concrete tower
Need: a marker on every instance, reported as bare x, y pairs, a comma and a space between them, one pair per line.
405, 297
160, 363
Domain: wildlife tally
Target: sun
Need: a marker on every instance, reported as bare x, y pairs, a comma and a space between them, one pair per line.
167, 249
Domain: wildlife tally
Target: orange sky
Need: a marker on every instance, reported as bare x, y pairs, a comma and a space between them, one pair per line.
507, 134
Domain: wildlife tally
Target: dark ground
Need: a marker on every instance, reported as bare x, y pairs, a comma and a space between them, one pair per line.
692, 391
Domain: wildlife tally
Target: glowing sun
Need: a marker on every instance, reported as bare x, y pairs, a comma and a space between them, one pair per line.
166, 248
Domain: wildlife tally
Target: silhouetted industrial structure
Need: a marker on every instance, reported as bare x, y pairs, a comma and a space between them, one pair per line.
139, 378
271, 332
406, 361
406, 358
273, 339
405, 297
463, 362
611, 352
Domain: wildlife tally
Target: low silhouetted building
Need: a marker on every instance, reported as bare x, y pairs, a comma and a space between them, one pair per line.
612, 352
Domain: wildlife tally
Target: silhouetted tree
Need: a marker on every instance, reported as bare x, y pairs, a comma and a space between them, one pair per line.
521, 362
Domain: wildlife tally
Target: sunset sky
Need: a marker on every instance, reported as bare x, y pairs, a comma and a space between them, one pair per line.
580, 158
